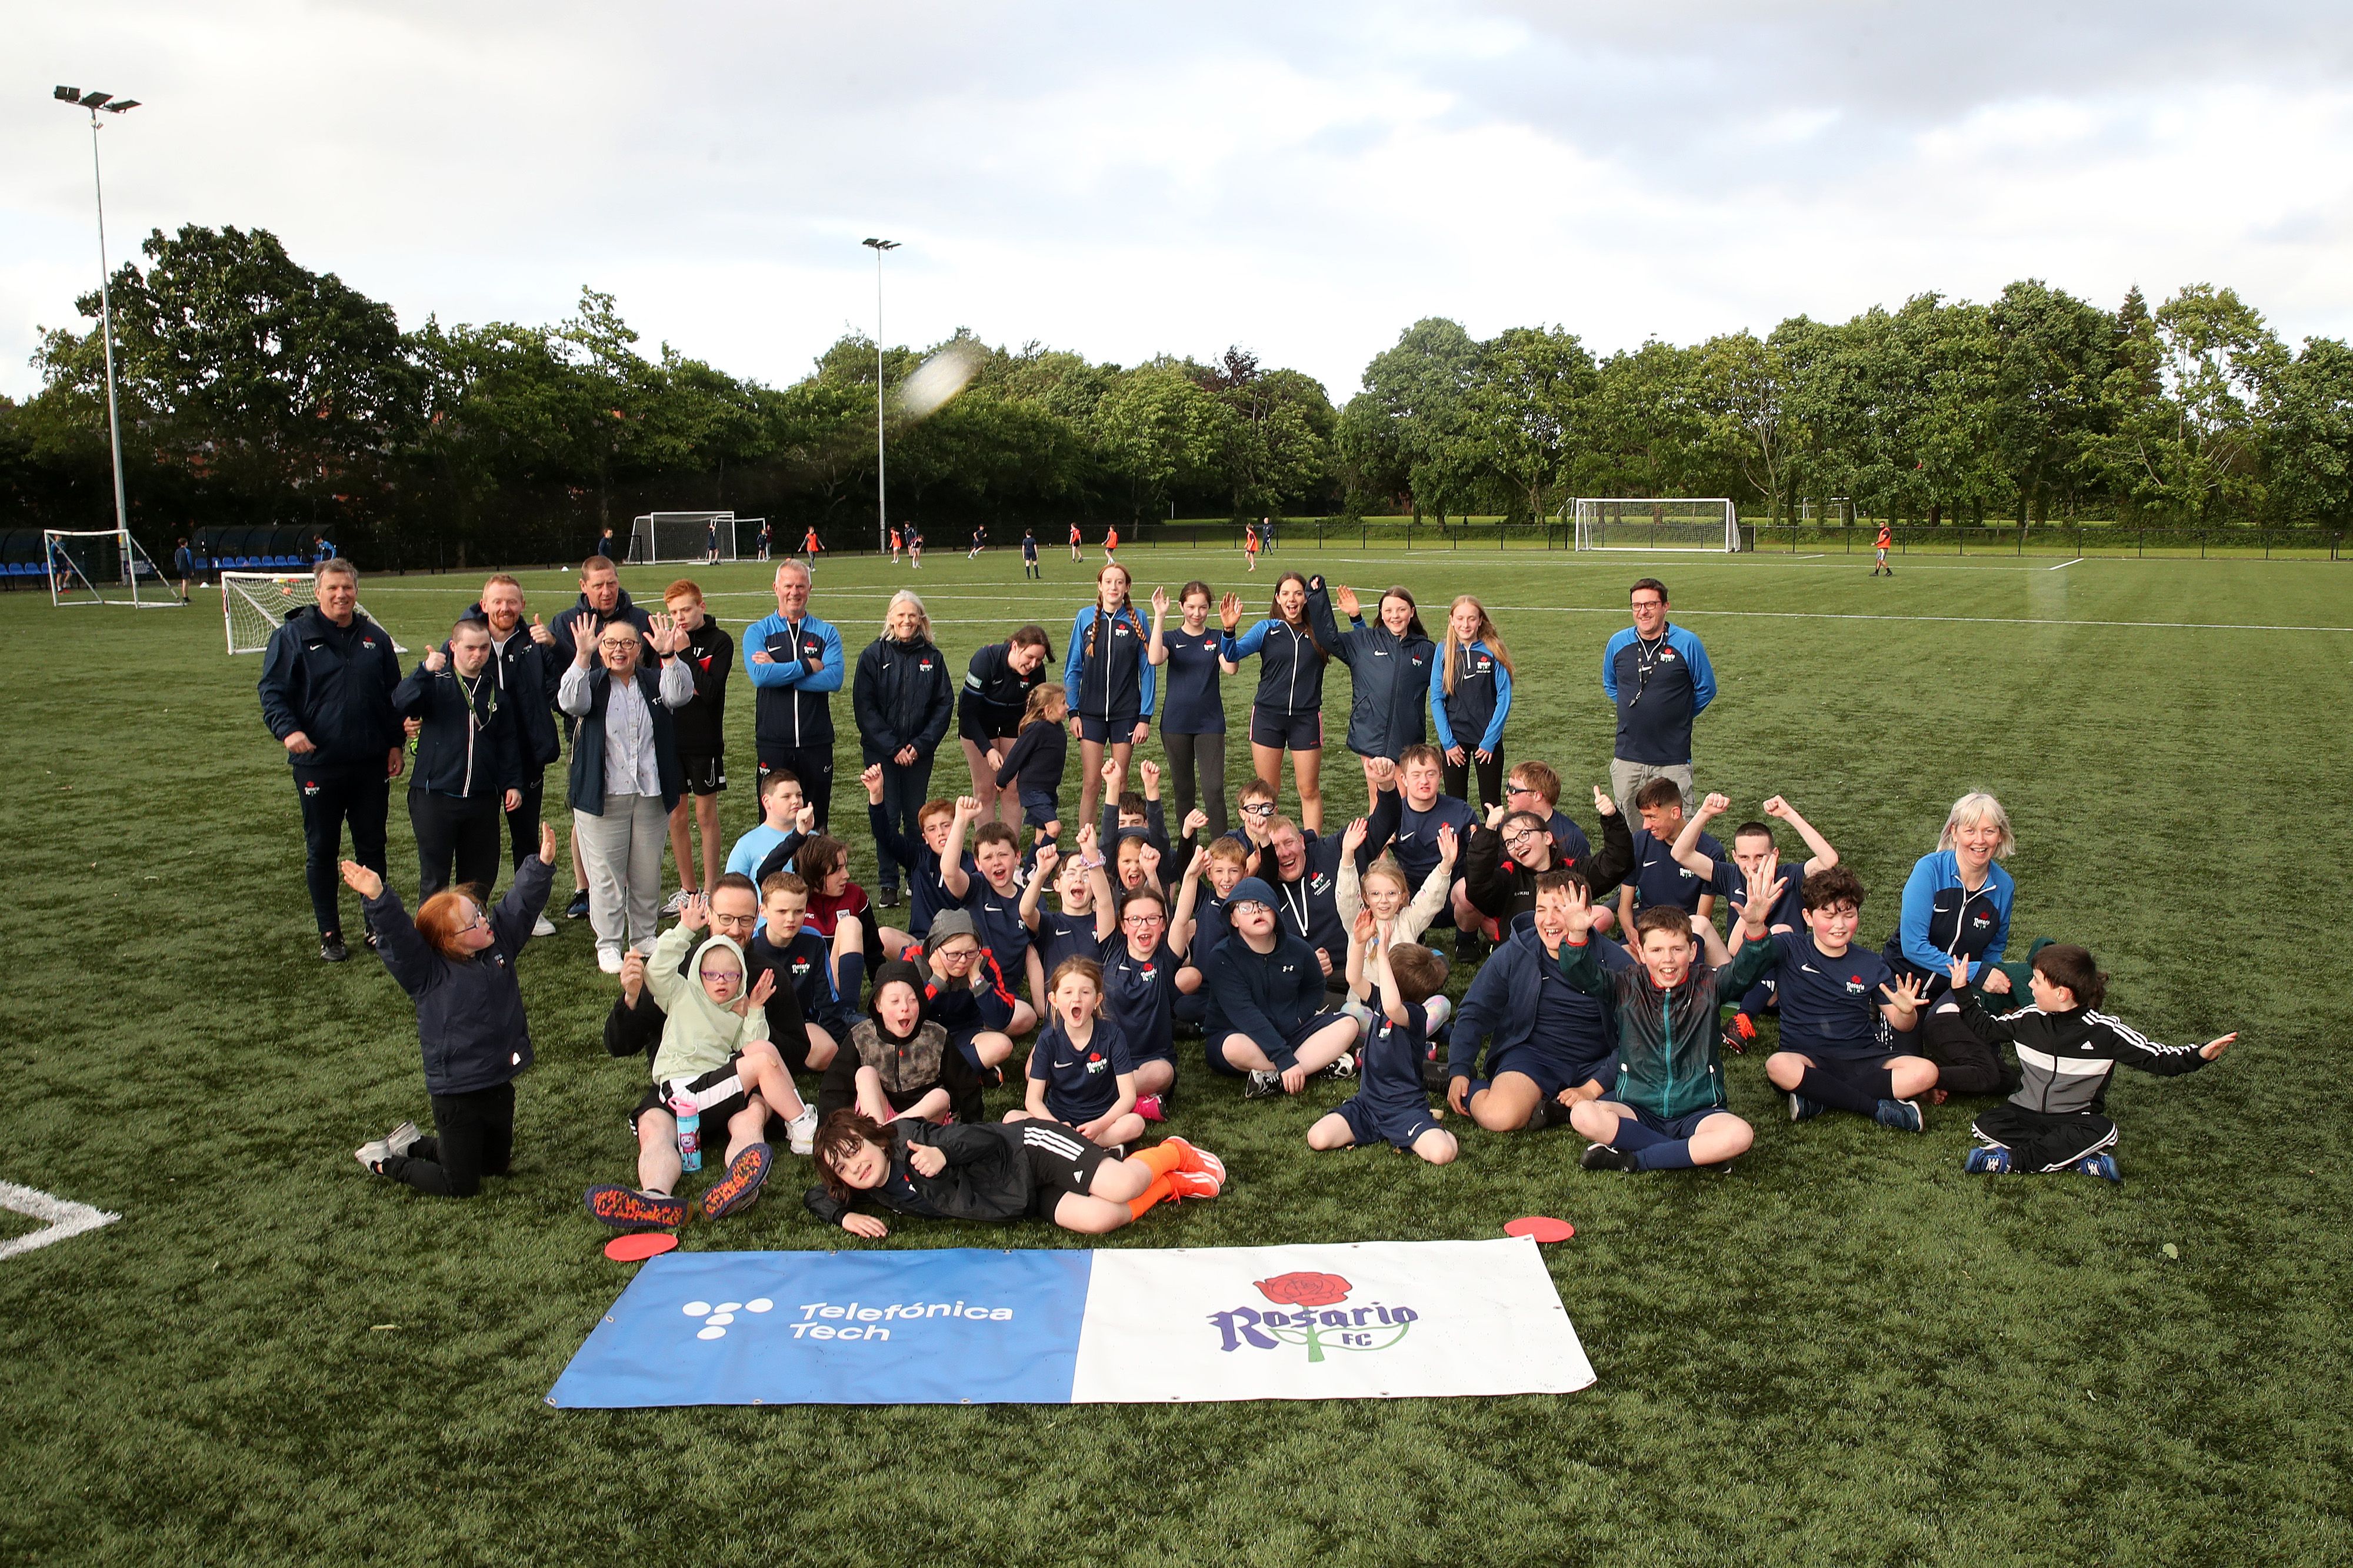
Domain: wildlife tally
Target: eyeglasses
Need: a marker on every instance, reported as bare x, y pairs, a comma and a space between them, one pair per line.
1519, 789
957, 954
1521, 835
1249, 908
735, 922
1267, 809
480, 922
721, 976
1138, 922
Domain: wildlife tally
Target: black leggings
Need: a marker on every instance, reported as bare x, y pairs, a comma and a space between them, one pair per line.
1490, 780
463, 828
1205, 753
1965, 1064
473, 1137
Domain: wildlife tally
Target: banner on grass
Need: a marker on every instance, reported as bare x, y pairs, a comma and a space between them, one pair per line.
1385, 1320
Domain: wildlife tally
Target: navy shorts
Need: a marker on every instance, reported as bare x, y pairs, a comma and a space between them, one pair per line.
1215, 1046
1551, 1076
1290, 732
1038, 808
1367, 1125
1677, 1127
1117, 730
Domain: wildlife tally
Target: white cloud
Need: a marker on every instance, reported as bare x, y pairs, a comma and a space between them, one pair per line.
1305, 180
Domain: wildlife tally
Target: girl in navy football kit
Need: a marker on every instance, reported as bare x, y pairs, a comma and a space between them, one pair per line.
1079, 1071
1470, 699
1193, 709
1109, 681
1287, 714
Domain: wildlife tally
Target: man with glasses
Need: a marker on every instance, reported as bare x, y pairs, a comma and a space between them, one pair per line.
1305, 870
626, 777
793, 662
634, 1024
1659, 676
1267, 1017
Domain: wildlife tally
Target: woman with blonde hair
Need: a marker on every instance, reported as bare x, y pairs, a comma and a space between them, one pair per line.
903, 699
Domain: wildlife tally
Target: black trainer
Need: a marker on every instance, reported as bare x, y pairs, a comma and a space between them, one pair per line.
578, 909
1606, 1157
887, 899
332, 948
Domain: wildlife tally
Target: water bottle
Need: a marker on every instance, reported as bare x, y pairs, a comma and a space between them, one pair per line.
690, 1131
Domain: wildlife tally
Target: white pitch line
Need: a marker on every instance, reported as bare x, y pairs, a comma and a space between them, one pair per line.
62, 1216
2064, 564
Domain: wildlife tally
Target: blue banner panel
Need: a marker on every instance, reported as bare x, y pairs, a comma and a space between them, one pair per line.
950, 1327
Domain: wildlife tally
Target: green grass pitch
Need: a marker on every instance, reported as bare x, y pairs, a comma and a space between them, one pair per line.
1840, 1350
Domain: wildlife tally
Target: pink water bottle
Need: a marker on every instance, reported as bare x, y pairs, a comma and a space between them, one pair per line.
690, 1127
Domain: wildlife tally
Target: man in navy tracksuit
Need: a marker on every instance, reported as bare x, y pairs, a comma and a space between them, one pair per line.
520, 659
1266, 992
1548, 1045
1659, 676
1406, 821
1305, 879
793, 661
327, 679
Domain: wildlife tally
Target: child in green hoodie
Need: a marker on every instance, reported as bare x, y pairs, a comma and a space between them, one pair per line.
716, 1054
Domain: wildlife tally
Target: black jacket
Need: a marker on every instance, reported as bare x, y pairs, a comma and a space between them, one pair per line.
994, 695
334, 684
1501, 888
527, 676
903, 698
468, 747
986, 1176
470, 1020
1389, 709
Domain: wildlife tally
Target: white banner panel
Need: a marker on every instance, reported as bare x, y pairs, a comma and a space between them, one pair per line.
1376, 1319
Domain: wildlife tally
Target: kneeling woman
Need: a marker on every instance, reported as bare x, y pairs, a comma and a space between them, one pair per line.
458, 965
996, 1171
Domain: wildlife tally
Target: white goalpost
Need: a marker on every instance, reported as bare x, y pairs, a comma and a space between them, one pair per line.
688, 536
255, 603
102, 566
1658, 523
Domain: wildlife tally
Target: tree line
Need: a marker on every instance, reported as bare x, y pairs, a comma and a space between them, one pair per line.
254, 390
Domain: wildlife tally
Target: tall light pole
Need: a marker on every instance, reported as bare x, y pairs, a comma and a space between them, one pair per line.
881, 510
94, 101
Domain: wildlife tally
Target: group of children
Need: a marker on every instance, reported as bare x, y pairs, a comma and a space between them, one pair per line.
1604, 997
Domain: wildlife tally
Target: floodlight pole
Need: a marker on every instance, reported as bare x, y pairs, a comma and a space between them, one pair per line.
94, 102
881, 506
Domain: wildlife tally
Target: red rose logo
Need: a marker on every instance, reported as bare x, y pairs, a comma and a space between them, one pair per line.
1304, 1289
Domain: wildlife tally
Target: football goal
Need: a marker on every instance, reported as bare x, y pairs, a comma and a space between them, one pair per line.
102, 566
1662, 522
255, 603
689, 536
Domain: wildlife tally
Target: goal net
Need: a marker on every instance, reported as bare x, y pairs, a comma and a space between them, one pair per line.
255, 603
102, 566
1656, 523
686, 536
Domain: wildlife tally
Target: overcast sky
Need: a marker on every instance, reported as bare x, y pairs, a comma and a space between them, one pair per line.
1304, 179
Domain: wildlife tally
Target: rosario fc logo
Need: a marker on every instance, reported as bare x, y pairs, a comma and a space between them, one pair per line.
1310, 1309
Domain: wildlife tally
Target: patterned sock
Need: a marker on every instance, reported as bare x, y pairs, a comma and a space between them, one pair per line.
1158, 1190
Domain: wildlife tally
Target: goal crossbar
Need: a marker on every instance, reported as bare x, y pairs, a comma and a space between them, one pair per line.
1656, 522
102, 566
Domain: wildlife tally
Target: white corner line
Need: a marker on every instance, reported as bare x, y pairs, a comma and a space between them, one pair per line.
2064, 564
64, 1217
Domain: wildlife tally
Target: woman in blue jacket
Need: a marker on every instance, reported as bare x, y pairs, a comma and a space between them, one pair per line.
1957, 902
1287, 715
1470, 697
1193, 716
1389, 663
1107, 681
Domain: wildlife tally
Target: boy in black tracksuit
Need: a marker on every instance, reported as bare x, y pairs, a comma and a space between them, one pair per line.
1267, 1017
469, 764
2067, 1051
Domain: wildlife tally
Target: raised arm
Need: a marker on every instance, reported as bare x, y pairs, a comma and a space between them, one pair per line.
1685, 849
952, 875
1614, 861
1820, 856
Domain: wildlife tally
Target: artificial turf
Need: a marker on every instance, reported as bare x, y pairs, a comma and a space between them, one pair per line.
1842, 1349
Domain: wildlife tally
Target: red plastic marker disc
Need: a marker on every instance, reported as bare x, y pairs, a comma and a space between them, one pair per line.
638, 1245
1543, 1227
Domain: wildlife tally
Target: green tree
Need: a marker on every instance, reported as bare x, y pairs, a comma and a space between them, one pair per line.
1157, 431
2309, 437
1526, 404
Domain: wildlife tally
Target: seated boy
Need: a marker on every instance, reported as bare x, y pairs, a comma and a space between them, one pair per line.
1086, 920
715, 1054
1838, 1010
898, 1063
1222, 865
824, 976
1391, 1105
1266, 1003
1549, 1046
927, 889
783, 813
1667, 1111
1657, 878
1534, 786
1751, 842
2068, 1050
989, 894
1407, 814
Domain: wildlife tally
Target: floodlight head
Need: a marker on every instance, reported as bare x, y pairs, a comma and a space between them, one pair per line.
881, 244
67, 95
95, 100
120, 104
